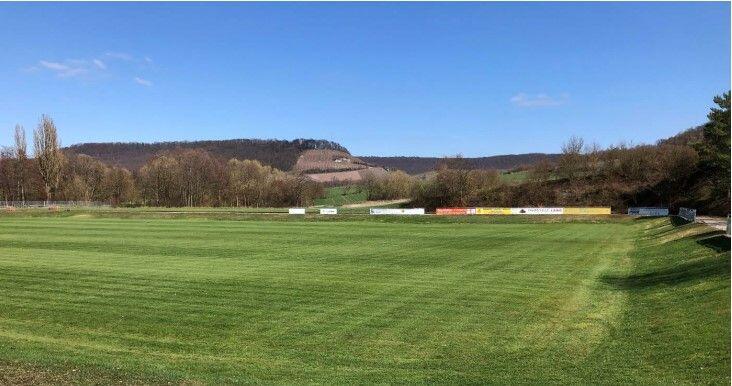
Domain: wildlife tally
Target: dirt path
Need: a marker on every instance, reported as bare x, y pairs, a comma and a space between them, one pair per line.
376, 203
714, 222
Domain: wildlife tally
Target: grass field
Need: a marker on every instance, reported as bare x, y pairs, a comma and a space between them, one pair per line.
342, 195
517, 177
104, 299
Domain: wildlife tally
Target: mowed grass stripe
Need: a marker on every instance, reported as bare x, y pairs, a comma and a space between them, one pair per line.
402, 252
334, 302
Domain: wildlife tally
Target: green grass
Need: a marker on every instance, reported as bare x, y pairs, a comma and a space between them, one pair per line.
517, 177
342, 195
92, 298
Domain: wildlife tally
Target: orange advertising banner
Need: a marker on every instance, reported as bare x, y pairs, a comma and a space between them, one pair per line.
455, 211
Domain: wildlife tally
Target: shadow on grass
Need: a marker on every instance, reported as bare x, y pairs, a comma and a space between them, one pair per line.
677, 221
644, 219
719, 242
715, 266
655, 232
701, 269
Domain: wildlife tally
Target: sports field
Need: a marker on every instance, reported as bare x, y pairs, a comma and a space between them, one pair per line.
103, 299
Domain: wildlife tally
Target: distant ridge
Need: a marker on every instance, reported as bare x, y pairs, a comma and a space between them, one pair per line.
284, 154
417, 165
281, 154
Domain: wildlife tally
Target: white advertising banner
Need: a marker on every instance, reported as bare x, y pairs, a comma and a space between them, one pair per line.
328, 211
397, 211
648, 212
537, 210
296, 211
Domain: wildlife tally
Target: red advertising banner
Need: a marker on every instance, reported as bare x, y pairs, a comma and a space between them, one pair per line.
455, 211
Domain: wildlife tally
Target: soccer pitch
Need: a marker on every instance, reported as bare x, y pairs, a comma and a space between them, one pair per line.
361, 301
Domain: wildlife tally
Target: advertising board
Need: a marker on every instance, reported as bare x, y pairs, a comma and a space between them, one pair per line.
501, 211
455, 211
687, 214
537, 210
648, 212
548, 211
396, 211
589, 210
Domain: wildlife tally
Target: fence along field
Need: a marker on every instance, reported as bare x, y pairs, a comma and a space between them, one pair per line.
397, 211
149, 300
473, 211
526, 210
44, 204
648, 212
372, 211
455, 211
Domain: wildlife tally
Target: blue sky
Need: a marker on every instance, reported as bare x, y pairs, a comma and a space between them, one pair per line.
426, 79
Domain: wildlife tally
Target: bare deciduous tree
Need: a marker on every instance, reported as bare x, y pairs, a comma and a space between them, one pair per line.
388, 186
83, 178
21, 157
120, 186
541, 171
570, 163
48, 154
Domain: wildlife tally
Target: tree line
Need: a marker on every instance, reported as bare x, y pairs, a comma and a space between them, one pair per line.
417, 165
177, 177
691, 169
280, 154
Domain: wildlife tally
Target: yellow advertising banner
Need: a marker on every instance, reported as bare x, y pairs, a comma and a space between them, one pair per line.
595, 210
492, 210
570, 211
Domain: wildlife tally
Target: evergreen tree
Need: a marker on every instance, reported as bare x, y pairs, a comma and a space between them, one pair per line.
714, 149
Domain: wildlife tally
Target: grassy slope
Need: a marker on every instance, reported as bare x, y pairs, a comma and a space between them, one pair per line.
344, 301
342, 195
514, 177
507, 177
678, 321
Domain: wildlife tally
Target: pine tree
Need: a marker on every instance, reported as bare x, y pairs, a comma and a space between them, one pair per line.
714, 149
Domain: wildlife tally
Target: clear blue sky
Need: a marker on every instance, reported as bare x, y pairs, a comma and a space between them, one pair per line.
425, 79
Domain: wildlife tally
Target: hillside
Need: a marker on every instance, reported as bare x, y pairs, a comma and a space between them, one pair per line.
684, 138
417, 165
690, 169
327, 160
281, 154
334, 167
296, 155
347, 176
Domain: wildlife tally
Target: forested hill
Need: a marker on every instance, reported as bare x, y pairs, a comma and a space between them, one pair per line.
416, 165
281, 154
